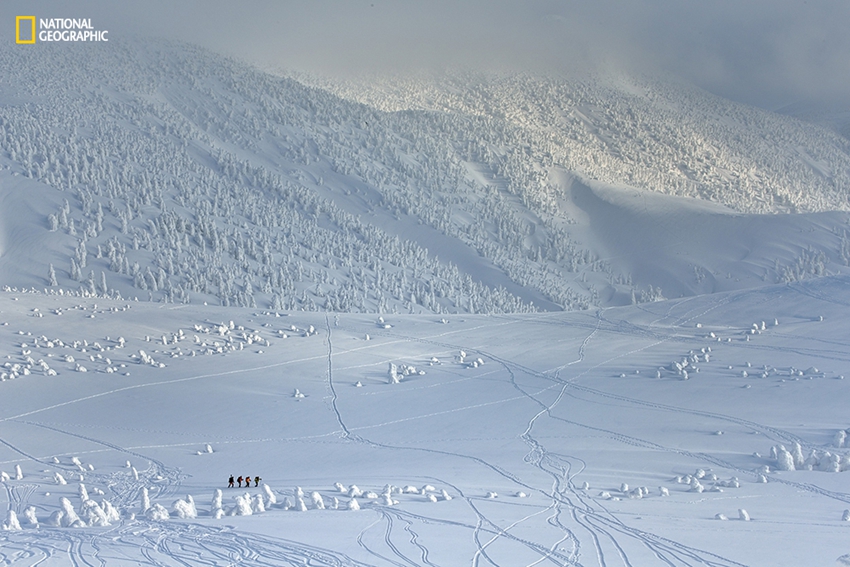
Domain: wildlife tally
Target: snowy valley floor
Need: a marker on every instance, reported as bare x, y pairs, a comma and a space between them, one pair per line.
534, 447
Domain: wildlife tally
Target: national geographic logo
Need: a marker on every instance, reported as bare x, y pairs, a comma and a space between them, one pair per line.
56, 29
25, 29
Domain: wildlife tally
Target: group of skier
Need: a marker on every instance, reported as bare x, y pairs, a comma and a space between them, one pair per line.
247, 481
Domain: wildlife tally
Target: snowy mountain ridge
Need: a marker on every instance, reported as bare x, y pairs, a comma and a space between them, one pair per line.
177, 175
651, 133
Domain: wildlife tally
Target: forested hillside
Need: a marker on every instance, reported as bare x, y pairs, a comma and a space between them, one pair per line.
172, 174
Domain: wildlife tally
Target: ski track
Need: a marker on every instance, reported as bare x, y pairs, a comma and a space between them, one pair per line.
596, 521
670, 553
163, 481
545, 552
346, 432
414, 540
773, 433
180, 543
164, 544
162, 383
482, 520
388, 541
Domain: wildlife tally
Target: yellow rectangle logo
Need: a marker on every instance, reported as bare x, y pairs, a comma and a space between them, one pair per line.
25, 24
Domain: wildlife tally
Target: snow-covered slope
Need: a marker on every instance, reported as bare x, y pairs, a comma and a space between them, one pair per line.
652, 133
614, 437
835, 117
689, 247
172, 174
466, 425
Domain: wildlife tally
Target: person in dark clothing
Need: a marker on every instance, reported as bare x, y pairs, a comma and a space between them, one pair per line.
239, 480
230, 482
257, 481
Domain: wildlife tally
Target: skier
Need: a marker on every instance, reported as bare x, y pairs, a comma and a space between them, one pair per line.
230, 482
257, 481
239, 480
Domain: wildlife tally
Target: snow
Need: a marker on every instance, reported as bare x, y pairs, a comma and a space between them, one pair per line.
587, 271
237, 187
533, 421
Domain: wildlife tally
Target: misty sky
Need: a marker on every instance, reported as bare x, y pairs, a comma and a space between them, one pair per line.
763, 52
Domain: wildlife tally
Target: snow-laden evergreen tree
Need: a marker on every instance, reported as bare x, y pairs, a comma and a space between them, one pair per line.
12, 523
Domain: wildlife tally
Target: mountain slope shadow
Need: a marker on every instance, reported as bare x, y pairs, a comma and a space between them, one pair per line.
688, 246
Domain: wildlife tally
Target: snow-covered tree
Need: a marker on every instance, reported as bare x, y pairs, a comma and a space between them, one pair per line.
11, 523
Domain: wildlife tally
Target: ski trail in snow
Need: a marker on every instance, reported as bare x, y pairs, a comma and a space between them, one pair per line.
19, 496
163, 480
414, 540
482, 520
558, 478
637, 442
594, 517
586, 514
545, 552
840, 355
331, 387
436, 413
498, 532
163, 544
482, 525
669, 552
20, 451
526, 435
162, 383
541, 453
771, 432
107, 444
348, 435
601, 522
386, 540
807, 288
481, 552
508, 528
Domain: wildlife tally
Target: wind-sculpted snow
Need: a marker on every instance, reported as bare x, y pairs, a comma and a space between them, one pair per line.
174, 175
707, 431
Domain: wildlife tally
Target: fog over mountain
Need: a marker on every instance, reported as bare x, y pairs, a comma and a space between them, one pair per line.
764, 52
